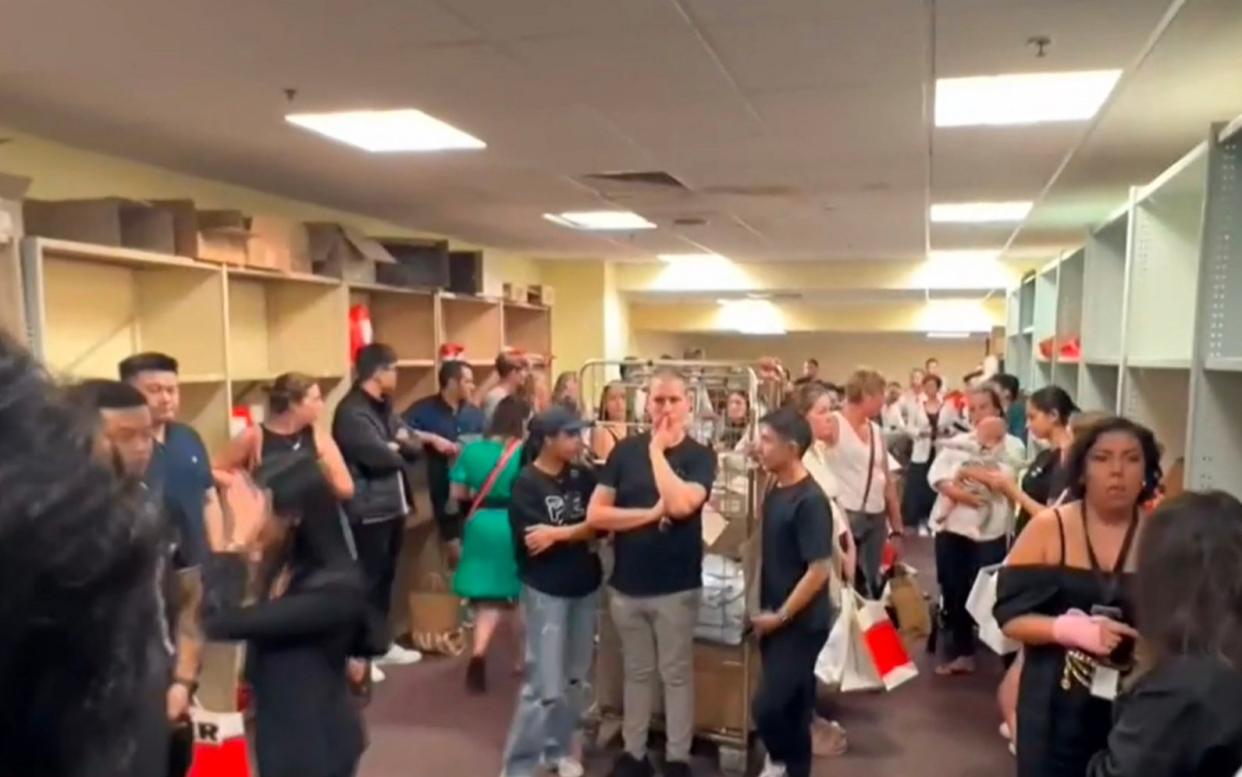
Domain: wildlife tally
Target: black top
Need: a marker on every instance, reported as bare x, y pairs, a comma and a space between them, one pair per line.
567, 569
306, 724
275, 444
1063, 724
1180, 719
796, 534
1044, 481
664, 558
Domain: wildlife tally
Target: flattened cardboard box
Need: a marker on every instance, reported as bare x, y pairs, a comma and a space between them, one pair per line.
338, 251
110, 221
12, 304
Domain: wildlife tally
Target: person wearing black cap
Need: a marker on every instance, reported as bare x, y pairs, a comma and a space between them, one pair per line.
793, 624
561, 575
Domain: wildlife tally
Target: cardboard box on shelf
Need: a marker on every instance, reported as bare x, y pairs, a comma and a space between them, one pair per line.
223, 237
514, 292
110, 221
421, 262
341, 252
540, 294
12, 307
279, 244
466, 272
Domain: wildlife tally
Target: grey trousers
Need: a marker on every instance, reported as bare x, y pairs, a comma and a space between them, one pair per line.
657, 632
870, 532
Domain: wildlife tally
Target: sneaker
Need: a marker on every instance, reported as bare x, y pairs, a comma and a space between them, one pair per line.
377, 674
399, 656
476, 675
567, 767
771, 768
677, 769
629, 766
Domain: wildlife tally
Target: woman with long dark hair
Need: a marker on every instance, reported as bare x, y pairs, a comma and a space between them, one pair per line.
611, 421
290, 588
1181, 715
736, 419
1065, 595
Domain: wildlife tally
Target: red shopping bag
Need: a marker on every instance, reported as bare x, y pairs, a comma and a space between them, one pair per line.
220, 746
884, 646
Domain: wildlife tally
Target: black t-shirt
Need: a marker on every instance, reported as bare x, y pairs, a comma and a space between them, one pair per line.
655, 561
567, 569
1044, 481
797, 532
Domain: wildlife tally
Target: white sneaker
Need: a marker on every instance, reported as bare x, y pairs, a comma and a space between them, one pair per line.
568, 767
377, 674
399, 656
771, 768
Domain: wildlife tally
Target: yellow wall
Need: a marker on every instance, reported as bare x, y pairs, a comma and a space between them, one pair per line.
911, 316
838, 353
579, 313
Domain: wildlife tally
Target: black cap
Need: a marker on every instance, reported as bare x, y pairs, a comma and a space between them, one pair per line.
556, 420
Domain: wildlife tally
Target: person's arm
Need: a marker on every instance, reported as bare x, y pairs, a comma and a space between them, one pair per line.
333, 465
814, 540
189, 639
361, 441
238, 454
892, 505
603, 514
213, 518
681, 498
298, 614
950, 489
1005, 483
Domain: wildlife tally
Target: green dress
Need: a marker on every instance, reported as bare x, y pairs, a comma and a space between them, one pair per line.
488, 567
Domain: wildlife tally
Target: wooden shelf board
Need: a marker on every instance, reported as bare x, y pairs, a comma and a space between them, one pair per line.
128, 257
1223, 364
449, 296
380, 288
281, 277
525, 306
416, 363
1101, 361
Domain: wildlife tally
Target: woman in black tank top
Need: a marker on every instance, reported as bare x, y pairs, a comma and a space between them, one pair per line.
289, 434
1064, 593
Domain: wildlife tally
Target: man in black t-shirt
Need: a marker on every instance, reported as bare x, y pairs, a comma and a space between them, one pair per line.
795, 613
561, 576
650, 495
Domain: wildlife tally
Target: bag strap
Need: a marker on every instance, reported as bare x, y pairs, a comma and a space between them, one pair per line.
493, 476
862, 508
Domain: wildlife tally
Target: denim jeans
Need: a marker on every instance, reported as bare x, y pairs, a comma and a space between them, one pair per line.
560, 643
870, 535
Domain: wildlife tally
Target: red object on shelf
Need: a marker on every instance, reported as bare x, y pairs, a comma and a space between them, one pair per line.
452, 352
1069, 350
360, 330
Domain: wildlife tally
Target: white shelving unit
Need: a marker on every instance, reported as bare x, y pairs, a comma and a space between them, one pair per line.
1155, 294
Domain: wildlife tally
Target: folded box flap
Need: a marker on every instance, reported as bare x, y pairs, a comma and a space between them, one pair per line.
367, 247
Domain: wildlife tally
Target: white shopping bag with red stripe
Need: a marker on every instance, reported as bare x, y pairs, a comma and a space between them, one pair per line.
881, 646
220, 746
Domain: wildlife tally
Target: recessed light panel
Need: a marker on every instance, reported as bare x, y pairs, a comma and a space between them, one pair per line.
1022, 98
965, 255
979, 212
600, 220
392, 131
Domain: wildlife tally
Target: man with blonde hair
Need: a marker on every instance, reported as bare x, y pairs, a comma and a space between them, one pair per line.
861, 464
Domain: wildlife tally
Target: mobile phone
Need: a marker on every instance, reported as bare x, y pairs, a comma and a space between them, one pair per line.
1123, 655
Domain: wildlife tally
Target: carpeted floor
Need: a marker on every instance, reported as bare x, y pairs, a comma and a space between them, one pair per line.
422, 723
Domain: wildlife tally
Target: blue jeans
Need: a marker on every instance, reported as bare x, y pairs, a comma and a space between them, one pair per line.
560, 643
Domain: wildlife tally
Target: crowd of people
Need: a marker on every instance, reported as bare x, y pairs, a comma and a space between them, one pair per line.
125, 550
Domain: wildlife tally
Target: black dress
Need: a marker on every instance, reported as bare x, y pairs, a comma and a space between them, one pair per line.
1044, 482
1061, 725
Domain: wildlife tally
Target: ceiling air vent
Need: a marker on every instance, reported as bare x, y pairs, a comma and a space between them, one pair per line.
645, 178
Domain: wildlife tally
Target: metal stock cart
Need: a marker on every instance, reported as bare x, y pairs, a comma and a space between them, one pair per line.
725, 670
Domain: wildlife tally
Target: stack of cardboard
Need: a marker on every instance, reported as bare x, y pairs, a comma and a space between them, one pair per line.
109, 221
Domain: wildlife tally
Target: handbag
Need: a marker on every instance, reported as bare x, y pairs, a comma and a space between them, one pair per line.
979, 604
912, 614
881, 647
435, 618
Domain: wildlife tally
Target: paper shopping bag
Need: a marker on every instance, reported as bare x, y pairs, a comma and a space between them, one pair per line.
980, 603
435, 618
220, 746
884, 648
907, 601
833, 659
859, 673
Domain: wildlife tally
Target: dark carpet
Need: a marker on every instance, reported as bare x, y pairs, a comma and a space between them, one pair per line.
422, 723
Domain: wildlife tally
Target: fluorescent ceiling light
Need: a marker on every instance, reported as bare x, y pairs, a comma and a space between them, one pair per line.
752, 317
691, 258
404, 129
1022, 98
948, 335
965, 255
979, 212
602, 220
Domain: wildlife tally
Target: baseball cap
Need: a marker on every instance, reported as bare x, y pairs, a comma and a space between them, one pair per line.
557, 419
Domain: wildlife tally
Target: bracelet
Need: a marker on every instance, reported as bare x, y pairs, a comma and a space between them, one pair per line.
191, 686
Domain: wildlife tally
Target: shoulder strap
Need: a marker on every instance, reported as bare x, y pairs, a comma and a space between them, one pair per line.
1060, 532
256, 455
493, 476
870, 467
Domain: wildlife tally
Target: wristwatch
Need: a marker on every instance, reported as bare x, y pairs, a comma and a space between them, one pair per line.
896, 533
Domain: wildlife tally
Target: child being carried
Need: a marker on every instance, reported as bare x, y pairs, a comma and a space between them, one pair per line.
982, 515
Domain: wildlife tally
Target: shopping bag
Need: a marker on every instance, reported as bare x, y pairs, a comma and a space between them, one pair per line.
833, 659
883, 648
435, 618
906, 600
980, 603
220, 746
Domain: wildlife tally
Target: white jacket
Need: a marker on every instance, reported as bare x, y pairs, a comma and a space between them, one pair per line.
918, 426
